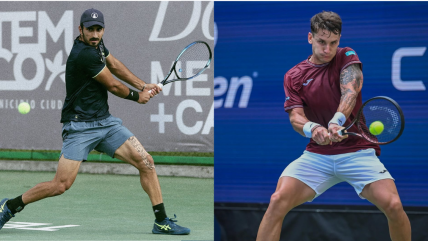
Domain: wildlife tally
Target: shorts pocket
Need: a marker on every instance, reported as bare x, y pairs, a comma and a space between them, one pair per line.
65, 130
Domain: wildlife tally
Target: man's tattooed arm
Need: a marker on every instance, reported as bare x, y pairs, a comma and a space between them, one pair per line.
351, 82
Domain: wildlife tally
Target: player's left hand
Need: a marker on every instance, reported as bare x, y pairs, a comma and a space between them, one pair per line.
155, 89
334, 136
320, 136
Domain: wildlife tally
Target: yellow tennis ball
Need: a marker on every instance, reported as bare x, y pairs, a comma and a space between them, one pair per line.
376, 128
24, 108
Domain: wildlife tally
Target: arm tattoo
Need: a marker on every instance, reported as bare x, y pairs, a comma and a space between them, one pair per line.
141, 151
351, 80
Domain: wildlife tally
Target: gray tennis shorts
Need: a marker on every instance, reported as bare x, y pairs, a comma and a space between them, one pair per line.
80, 138
320, 172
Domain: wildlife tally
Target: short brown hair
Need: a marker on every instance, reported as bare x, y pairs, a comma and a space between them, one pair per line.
326, 20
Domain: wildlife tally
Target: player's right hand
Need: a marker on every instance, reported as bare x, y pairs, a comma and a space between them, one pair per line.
334, 135
153, 88
320, 136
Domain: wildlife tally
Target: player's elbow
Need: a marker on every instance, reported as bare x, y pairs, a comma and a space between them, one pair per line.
114, 88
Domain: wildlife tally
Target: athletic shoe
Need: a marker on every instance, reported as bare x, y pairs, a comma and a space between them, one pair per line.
5, 213
168, 226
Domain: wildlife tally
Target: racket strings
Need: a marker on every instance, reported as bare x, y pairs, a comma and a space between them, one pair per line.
195, 59
387, 113
365, 131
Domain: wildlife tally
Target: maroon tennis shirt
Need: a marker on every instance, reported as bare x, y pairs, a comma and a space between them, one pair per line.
316, 89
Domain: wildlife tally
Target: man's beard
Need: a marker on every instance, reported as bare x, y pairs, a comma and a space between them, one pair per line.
89, 41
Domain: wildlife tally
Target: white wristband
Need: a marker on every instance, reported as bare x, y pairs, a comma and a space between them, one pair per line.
307, 128
338, 118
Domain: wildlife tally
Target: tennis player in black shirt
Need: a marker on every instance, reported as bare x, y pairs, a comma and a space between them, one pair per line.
88, 125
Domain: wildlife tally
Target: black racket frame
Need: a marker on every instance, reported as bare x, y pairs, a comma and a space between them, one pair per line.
360, 114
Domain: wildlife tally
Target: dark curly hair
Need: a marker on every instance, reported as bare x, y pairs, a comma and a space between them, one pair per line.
326, 20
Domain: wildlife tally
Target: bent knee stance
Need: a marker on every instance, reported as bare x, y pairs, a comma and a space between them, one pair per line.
393, 208
147, 162
280, 204
144, 159
59, 188
275, 198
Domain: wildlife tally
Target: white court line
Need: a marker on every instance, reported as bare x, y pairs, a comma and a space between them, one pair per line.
35, 226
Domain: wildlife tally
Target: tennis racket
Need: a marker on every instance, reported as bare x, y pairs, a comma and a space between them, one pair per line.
197, 58
380, 110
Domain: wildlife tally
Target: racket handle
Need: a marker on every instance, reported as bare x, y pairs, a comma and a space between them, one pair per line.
341, 133
160, 85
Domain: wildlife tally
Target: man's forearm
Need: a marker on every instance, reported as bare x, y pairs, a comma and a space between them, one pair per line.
124, 74
298, 126
347, 102
298, 120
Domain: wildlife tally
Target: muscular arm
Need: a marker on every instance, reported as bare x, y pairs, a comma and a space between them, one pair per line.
117, 88
119, 70
298, 120
351, 82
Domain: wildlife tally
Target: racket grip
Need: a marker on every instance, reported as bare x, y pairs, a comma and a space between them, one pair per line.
342, 133
160, 85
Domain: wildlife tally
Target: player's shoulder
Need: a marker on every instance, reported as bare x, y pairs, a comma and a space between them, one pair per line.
295, 74
345, 51
344, 57
88, 54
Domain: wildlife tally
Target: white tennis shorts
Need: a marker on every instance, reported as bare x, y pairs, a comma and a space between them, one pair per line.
320, 172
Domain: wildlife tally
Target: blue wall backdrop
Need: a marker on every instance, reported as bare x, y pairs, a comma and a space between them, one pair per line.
257, 42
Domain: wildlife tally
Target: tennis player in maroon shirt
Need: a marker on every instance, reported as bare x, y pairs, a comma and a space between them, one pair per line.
323, 93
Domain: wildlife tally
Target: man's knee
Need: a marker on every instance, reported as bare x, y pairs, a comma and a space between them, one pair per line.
280, 202
145, 162
60, 187
393, 207
142, 159
276, 198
